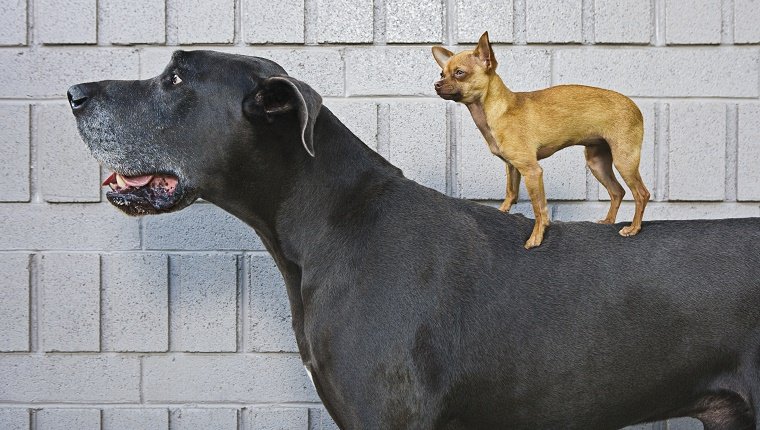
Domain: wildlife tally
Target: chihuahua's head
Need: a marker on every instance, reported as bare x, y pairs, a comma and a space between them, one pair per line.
465, 76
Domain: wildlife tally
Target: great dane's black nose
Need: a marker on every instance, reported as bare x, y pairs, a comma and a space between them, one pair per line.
78, 95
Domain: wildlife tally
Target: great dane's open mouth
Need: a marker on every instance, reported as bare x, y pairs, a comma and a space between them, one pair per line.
144, 194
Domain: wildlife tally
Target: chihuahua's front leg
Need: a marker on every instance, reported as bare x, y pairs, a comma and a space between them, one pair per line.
534, 182
513, 188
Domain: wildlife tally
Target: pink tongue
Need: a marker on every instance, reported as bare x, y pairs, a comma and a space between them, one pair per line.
137, 181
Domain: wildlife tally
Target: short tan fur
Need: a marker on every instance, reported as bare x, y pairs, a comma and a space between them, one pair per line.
524, 127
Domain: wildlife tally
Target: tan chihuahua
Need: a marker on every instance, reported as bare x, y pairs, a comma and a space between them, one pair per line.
522, 128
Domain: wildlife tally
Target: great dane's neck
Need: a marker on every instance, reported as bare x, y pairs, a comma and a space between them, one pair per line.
298, 215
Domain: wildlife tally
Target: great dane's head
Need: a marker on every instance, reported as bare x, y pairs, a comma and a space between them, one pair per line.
173, 138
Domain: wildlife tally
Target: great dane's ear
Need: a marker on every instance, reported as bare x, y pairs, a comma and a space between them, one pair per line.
282, 94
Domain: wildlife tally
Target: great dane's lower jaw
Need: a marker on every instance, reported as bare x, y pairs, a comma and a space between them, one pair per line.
414, 310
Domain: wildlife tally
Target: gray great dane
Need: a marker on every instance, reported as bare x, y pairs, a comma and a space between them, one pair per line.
414, 310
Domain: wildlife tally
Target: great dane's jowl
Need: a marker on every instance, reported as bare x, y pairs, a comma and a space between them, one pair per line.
414, 310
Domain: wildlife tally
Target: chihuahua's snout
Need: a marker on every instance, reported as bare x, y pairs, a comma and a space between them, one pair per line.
438, 85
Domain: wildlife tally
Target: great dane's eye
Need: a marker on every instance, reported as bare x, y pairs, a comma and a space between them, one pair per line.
176, 79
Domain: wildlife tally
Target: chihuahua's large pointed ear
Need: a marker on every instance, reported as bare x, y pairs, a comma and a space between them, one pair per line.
484, 52
282, 94
442, 55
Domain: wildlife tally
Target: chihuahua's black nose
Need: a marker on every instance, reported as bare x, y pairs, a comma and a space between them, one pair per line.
78, 96
438, 85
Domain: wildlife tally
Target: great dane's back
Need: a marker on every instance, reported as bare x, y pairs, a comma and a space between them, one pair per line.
416, 310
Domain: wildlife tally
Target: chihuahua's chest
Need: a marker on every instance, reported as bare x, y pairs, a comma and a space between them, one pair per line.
479, 116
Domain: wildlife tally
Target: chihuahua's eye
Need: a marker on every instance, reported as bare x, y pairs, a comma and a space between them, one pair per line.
441, 74
176, 79
459, 73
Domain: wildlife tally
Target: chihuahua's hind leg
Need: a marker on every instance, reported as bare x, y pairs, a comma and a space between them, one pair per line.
513, 188
628, 166
599, 161
640, 195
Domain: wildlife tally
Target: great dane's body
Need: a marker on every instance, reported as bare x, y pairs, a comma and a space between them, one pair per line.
414, 310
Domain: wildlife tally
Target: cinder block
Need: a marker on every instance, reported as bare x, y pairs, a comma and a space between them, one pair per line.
322, 69
14, 151
390, 71
202, 226
13, 22
48, 72
14, 307
319, 419
646, 164
553, 22
622, 21
685, 424
153, 59
135, 302
475, 17
701, 210
565, 175
135, 419
418, 135
14, 419
200, 21
344, 21
204, 303
273, 21
359, 116
202, 419
66, 21
69, 227
70, 285
68, 172
641, 427
269, 320
584, 211
746, 17
136, 21
76, 378
524, 69
697, 152
748, 173
413, 21
244, 378
279, 419
67, 419
692, 22
665, 72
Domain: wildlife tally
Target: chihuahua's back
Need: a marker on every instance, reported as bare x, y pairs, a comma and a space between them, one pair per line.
564, 115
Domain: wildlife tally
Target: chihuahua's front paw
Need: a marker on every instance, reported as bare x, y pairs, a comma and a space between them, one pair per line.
629, 231
533, 242
505, 207
606, 221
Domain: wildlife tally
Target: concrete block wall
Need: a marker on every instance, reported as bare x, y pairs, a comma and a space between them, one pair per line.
181, 321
